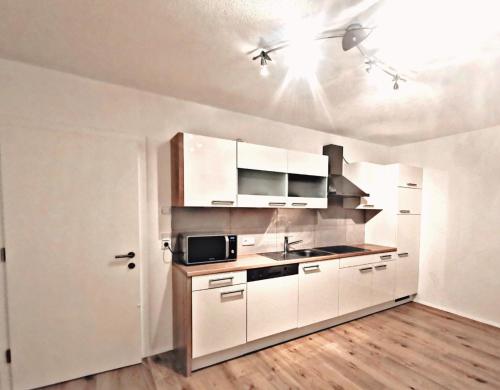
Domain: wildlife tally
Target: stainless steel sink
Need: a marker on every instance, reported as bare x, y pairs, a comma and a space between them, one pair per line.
295, 254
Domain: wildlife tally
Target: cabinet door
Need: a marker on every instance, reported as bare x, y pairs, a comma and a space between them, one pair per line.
210, 175
219, 319
318, 291
263, 158
272, 306
384, 282
410, 201
410, 177
302, 163
408, 243
355, 288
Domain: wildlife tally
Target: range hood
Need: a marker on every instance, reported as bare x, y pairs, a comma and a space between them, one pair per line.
338, 184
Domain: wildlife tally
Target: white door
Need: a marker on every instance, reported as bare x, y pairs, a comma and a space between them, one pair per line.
71, 204
210, 173
219, 319
355, 288
318, 291
272, 306
384, 282
408, 255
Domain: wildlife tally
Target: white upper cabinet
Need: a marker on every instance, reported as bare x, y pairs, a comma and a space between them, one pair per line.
262, 158
203, 171
372, 179
410, 177
410, 200
302, 163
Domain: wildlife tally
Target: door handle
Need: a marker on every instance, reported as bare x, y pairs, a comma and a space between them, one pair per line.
405, 254
222, 202
129, 255
383, 266
299, 204
404, 211
311, 268
365, 269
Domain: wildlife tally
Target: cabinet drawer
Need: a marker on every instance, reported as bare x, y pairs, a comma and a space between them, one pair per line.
410, 201
218, 280
219, 319
358, 260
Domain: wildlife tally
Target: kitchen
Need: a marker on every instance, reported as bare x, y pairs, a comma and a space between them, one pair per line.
92, 168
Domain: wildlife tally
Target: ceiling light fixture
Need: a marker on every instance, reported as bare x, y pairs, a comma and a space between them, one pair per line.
264, 57
352, 36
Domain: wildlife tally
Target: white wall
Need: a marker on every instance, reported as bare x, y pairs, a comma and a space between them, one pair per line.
33, 97
460, 243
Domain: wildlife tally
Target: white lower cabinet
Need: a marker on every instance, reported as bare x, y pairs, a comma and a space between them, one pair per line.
383, 283
355, 288
272, 306
366, 285
219, 319
318, 291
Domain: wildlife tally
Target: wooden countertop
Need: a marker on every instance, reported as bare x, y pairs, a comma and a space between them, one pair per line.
257, 261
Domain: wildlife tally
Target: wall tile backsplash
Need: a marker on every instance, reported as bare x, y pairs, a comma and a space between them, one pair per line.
332, 226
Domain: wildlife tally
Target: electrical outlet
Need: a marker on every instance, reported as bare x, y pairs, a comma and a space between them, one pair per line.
165, 243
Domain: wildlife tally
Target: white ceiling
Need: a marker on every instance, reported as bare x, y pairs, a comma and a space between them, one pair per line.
198, 50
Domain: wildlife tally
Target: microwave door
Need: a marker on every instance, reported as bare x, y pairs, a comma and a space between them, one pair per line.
206, 249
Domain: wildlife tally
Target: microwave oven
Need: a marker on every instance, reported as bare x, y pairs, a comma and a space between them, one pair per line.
208, 248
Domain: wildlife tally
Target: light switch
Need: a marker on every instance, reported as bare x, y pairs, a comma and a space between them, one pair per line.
248, 241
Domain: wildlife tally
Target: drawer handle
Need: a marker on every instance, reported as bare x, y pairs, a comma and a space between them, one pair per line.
405, 254
311, 268
386, 257
411, 184
222, 202
382, 266
277, 203
229, 293
404, 211
299, 204
228, 279
365, 269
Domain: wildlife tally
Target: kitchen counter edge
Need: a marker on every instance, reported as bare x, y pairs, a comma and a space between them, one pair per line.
252, 261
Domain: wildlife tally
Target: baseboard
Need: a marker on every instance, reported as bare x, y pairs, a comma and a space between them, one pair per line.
458, 313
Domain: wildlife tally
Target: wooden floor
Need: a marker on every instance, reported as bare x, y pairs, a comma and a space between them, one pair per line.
408, 347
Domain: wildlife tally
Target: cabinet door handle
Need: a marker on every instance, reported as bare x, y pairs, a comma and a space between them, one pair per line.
222, 202
365, 269
411, 184
299, 204
229, 293
404, 254
311, 268
368, 205
386, 257
228, 279
382, 266
277, 204
404, 211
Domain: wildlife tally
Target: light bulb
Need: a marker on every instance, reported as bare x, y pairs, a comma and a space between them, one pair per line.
264, 71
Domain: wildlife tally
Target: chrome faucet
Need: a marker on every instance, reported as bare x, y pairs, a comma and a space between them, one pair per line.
286, 244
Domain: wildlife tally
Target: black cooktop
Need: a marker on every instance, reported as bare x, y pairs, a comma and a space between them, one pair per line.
337, 249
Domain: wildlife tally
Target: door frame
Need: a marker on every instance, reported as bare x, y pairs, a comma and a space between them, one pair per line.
22, 125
